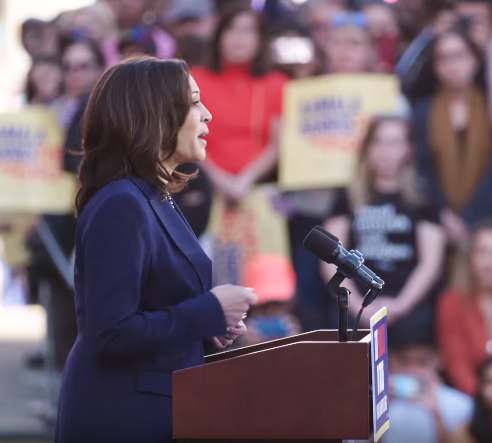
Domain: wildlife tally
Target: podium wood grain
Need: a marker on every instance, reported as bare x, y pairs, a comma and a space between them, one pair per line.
303, 388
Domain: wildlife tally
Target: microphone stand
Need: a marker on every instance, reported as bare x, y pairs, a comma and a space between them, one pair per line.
343, 302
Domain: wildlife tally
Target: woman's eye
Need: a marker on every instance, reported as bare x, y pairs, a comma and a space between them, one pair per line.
196, 103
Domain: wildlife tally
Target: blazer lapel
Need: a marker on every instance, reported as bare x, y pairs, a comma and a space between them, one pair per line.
174, 224
178, 210
181, 235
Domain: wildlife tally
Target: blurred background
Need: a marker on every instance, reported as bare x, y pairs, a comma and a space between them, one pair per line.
369, 117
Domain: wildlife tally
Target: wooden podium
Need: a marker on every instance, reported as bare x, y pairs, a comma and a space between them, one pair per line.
307, 388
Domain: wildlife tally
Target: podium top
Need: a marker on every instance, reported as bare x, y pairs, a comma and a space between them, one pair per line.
322, 335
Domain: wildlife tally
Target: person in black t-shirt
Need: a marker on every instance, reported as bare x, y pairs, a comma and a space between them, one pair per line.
385, 216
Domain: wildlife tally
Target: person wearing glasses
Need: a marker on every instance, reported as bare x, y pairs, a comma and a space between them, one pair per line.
82, 65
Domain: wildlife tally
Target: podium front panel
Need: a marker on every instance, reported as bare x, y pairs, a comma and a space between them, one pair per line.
300, 391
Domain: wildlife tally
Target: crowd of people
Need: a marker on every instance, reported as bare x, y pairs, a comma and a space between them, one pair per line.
420, 208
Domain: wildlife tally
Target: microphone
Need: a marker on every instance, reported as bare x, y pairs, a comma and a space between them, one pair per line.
350, 264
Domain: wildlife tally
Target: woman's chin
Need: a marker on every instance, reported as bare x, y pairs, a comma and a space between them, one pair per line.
200, 155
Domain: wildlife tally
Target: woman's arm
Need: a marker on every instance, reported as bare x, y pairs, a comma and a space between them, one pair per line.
116, 245
236, 187
430, 247
340, 227
267, 161
453, 345
220, 179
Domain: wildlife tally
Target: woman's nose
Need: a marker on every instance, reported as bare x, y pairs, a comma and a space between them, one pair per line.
207, 117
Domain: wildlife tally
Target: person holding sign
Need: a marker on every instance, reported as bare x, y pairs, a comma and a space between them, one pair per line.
143, 285
386, 217
322, 156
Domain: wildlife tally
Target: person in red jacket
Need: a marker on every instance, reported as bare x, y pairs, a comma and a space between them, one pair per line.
464, 315
245, 97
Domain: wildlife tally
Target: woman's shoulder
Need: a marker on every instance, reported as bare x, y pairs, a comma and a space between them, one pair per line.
463, 435
452, 301
114, 198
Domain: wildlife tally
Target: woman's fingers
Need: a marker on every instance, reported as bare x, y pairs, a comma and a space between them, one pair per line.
221, 342
239, 329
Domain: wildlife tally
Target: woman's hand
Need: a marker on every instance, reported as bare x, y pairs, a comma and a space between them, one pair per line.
236, 331
396, 310
221, 342
238, 188
455, 227
235, 302
232, 334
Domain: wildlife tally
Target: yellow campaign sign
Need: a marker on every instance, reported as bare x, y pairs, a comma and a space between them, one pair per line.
244, 232
32, 178
14, 229
324, 121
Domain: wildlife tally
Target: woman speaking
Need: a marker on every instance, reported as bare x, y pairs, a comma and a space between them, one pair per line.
143, 294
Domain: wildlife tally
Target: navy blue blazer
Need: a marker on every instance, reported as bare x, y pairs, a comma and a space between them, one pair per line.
144, 306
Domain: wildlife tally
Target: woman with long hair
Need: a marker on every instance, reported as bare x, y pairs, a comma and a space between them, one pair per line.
348, 49
385, 215
44, 80
82, 64
479, 430
464, 315
143, 285
454, 149
244, 148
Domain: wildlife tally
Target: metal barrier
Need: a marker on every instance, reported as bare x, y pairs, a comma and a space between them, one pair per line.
65, 269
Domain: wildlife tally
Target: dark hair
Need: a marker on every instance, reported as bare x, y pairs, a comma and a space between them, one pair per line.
32, 24
474, 49
192, 49
261, 64
481, 424
94, 48
289, 23
40, 60
131, 125
138, 39
485, 2
464, 280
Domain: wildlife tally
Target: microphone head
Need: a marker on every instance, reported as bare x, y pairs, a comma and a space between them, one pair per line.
320, 244
328, 234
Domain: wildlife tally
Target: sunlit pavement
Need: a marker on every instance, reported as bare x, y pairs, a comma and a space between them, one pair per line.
23, 392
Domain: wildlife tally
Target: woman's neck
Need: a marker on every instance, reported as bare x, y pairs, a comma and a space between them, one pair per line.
460, 94
387, 185
243, 67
